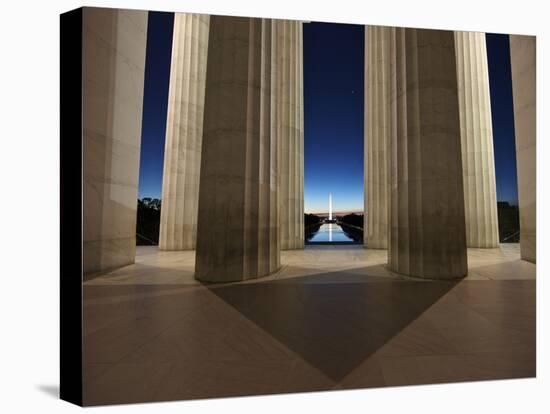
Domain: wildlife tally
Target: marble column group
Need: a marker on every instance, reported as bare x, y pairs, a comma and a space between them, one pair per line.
184, 128
427, 227
233, 172
234, 153
523, 63
430, 187
238, 217
476, 133
289, 110
113, 47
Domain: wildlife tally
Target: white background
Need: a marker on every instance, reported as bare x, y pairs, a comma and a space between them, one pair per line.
29, 223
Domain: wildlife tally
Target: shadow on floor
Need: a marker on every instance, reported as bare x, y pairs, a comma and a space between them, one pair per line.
333, 320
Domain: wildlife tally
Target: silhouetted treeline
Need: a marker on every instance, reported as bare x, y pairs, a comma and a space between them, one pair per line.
353, 219
508, 222
352, 224
312, 223
148, 221
310, 219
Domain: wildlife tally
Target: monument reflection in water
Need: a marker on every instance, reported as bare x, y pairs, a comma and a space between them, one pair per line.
330, 231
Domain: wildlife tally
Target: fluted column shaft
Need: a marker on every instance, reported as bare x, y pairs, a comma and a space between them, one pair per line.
523, 64
476, 131
182, 155
377, 135
427, 236
238, 219
113, 62
289, 125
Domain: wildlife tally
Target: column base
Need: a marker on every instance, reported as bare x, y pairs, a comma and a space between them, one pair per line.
209, 279
446, 278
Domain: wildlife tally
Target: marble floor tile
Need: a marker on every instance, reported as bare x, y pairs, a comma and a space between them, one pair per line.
332, 318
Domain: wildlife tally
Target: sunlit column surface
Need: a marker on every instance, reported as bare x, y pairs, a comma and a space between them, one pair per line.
182, 155
289, 126
377, 135
523, 62
113, 61
476, 131
238, 221
428, 236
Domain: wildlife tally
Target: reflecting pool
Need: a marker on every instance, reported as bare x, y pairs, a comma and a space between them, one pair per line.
330, 232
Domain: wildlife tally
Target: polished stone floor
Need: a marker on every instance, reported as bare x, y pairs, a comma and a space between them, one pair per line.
333, 317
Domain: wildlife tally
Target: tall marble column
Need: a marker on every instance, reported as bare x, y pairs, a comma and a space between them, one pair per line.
182, 154
427, 227
476, 131
114, 42
238, 220
289, 126
377, 135
523, 63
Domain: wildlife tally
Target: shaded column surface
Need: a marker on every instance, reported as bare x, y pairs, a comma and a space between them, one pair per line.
523, 63
427, 228
238, 220
377, 135
476, 132
114, 43
289, 127
182, 154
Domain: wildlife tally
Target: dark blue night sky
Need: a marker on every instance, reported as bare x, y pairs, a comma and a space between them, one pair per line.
333, 113
333, 116
155, 102
502, 108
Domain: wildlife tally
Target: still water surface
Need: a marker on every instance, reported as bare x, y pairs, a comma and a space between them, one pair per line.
330, 232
